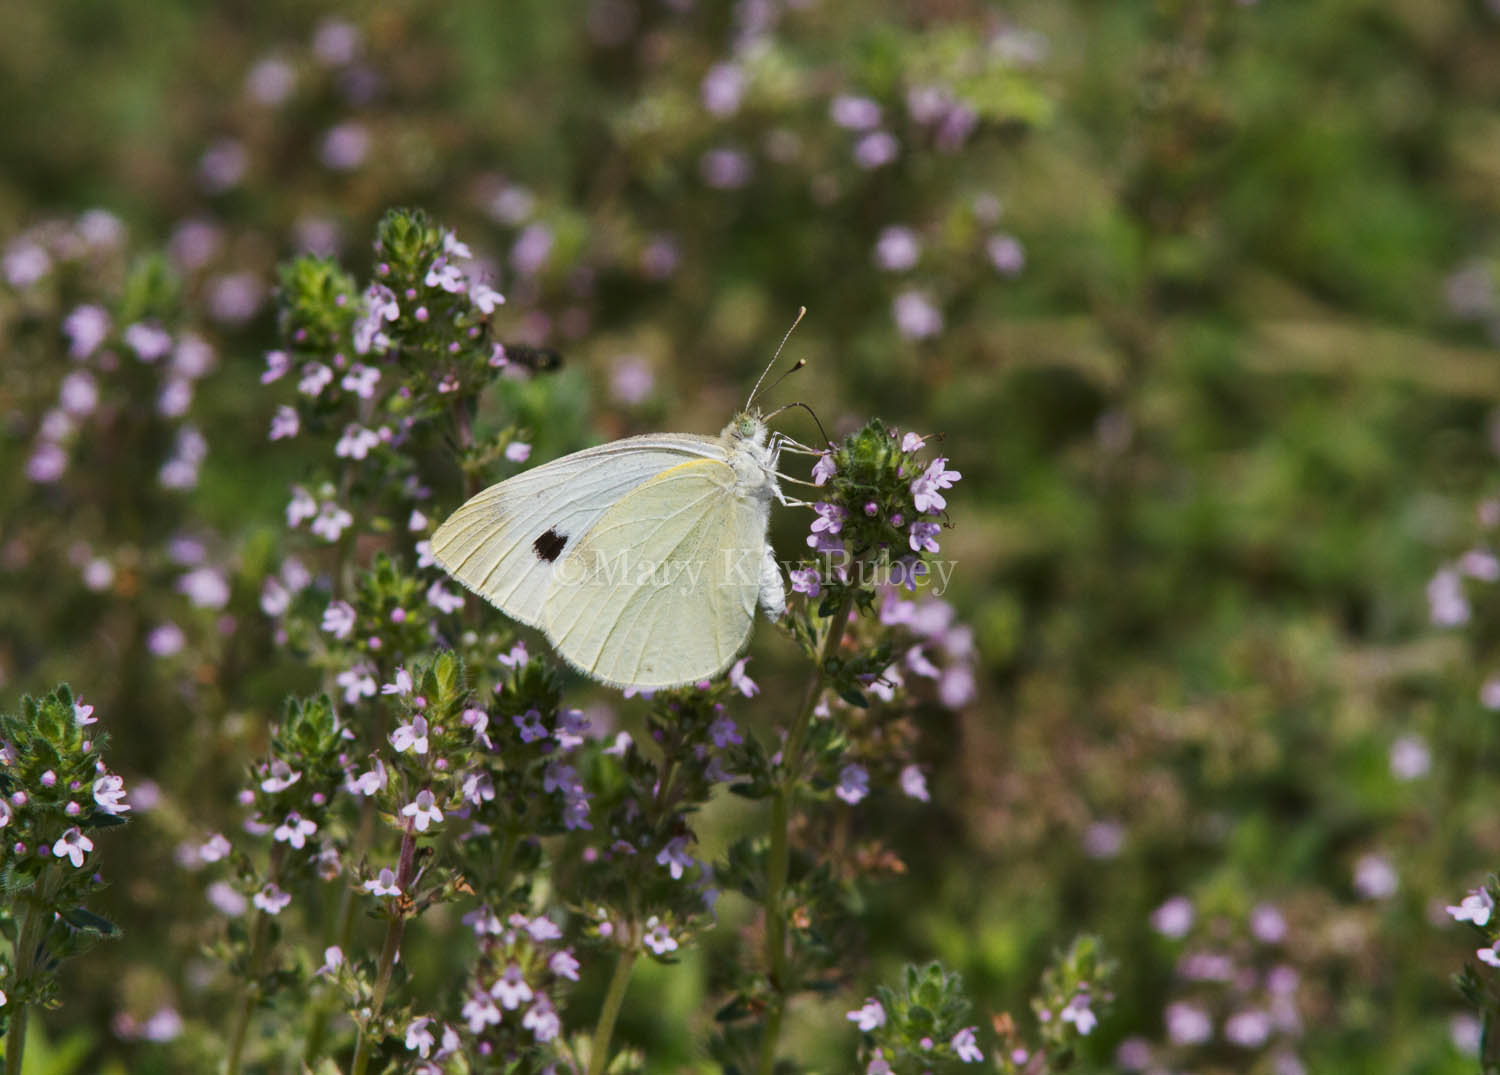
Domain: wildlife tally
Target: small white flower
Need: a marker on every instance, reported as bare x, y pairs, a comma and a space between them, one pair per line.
281, 777
418, 1038
869, 1017
215, 848
274, 597
484, 297
1174, 918
446, 276
423, 811
1375, 878
294, 830
385, 884
83, 714
73, 845
854, 784
1476, 907
315, 378
338, 619
205, 588
285, 423
361, 380
824, 469
411, 736
542, 1020
479, 788
1490, 955
444, 600
371, 782
149, 342
741, 682
109, 793
331, 521
658, 938
1080, 1014
277, 363
965, 1047
333, 959
675, 857
572, 726
358, 682
479, 1011
271, 899
510, 989
301, 508
356, 442
226, 899
401, 685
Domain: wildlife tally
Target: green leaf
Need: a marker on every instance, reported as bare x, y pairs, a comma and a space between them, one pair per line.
84, 919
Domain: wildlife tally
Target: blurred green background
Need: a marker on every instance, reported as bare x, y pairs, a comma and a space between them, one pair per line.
1202, 296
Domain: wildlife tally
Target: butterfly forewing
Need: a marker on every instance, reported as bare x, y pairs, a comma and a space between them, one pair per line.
661, 591
506, 542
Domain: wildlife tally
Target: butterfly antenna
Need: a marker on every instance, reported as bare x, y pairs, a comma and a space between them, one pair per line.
801, 310
809, 410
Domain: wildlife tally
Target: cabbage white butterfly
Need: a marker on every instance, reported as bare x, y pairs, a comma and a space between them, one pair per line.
642, 560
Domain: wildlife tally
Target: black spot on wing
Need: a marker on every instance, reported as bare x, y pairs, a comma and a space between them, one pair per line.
550, 545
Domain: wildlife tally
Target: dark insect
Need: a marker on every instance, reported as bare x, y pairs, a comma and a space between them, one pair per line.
536, 359
550, 545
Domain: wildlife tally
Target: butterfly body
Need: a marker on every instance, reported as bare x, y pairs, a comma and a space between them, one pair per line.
642, 560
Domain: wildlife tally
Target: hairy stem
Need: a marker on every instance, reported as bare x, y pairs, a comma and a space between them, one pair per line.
15, 1041
405, 871
782, 801
28, 938
317, 1028
258, 937
604, 1029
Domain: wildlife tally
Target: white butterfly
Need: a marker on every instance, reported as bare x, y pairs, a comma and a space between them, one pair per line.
641, 560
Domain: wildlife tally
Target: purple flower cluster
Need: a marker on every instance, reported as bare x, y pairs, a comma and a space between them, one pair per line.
1237, 982
878, 493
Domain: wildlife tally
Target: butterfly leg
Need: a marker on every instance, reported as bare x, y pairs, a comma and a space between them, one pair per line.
791, 502
780, 441
772, 590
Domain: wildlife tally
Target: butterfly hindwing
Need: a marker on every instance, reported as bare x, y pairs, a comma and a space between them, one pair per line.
662, 589
506, 542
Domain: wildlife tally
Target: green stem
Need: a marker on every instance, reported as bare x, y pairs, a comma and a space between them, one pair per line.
36, 917
252, 989
317, 1029
604, 1029
405, 871
259, 933
27, 939
782, 801
15, 1041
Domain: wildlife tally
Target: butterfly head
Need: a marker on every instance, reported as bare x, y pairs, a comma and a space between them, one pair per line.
747, 427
